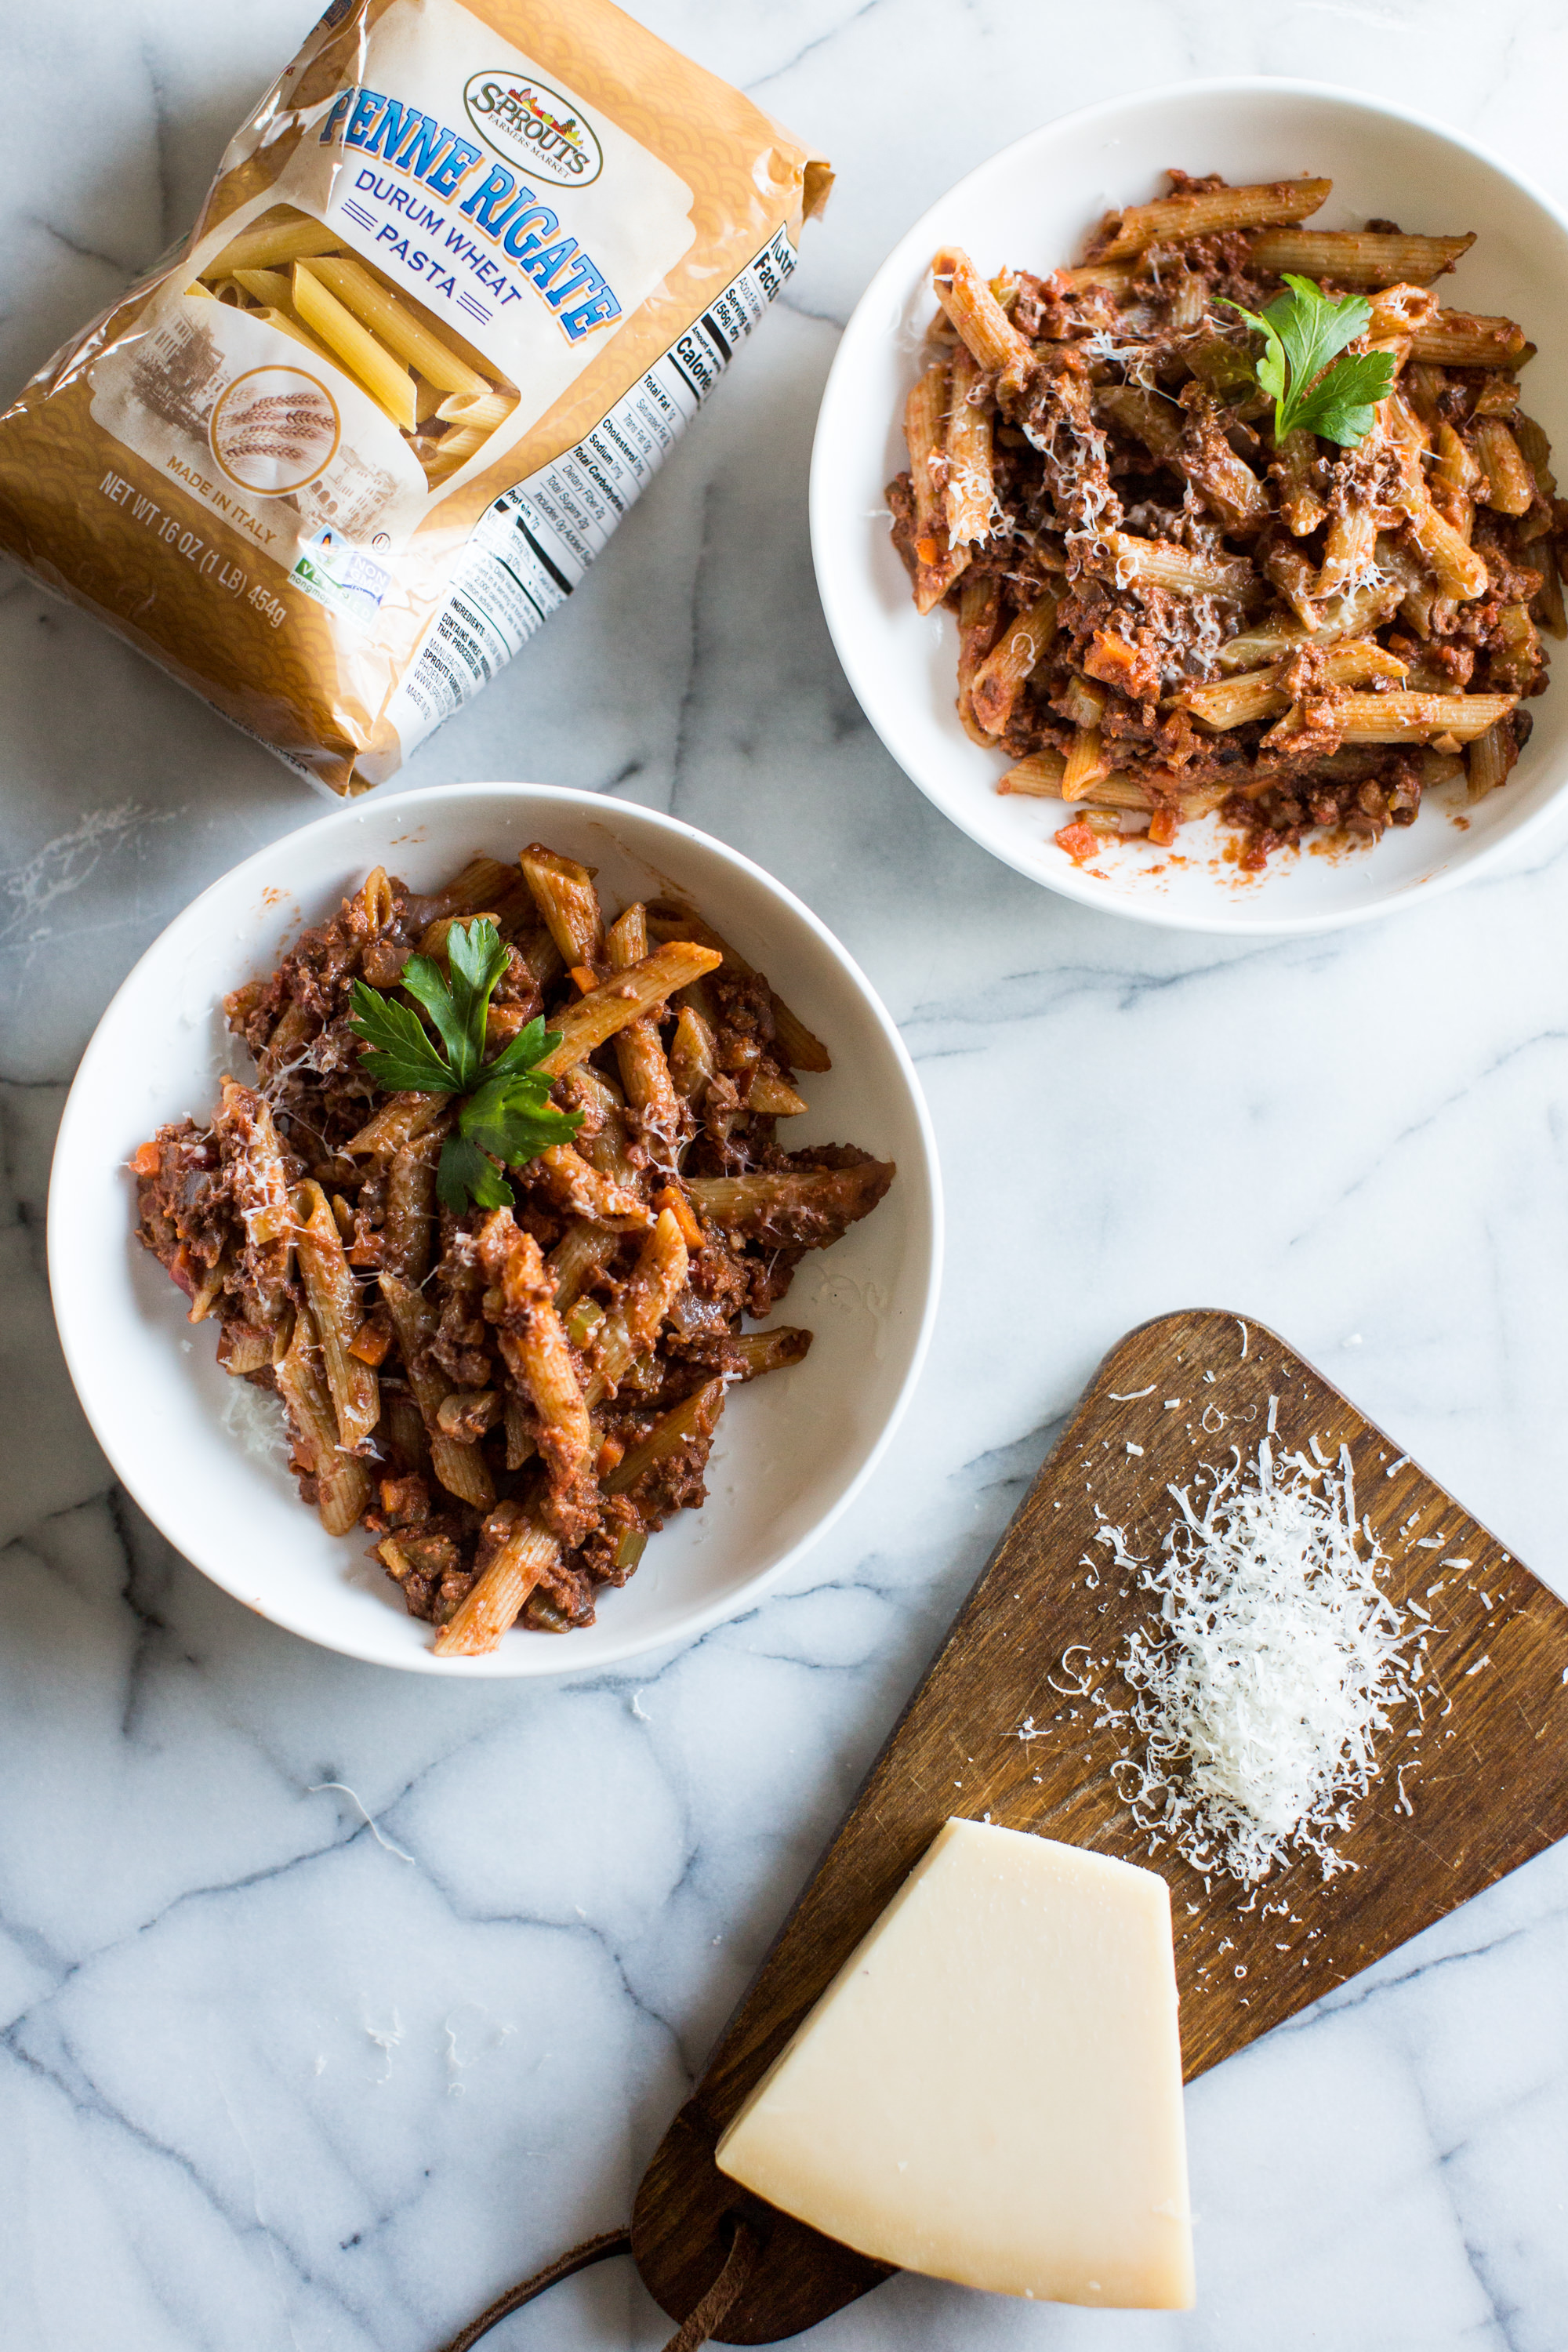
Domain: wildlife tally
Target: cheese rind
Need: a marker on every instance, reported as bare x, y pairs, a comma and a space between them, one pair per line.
990, 2090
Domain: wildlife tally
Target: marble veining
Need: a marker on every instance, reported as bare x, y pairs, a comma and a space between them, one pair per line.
332, 2001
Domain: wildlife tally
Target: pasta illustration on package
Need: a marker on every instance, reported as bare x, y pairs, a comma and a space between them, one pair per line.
463, 279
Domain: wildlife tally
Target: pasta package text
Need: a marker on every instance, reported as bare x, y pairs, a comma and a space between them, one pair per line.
464, 279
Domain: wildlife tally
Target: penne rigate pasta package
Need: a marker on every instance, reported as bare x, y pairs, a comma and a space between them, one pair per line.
463, 279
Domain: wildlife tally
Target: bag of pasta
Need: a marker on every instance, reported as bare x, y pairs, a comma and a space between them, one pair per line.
463, 279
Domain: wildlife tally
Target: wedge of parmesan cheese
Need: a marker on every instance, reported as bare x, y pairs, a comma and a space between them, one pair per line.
990, 2090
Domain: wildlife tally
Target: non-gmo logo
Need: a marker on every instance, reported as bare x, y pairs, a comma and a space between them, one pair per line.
531, 124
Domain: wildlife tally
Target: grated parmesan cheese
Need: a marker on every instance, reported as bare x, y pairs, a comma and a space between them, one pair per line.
256, 1418
1277, 1660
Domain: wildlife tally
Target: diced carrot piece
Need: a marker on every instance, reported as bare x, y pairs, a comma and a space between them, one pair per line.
1079, 842
1162, 828
371, 1342
145, 1161
673, 1199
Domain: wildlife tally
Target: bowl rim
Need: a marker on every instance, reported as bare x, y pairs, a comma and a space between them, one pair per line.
80, 1131
841, 627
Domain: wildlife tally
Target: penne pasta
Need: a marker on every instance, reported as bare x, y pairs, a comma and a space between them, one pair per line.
668, 921
267, 286
790, 1207
521, 1304
968, 494
484, 409
1397, 313
992, 340
768, 1096
395, 324
1087, 763
691, 1059
409, 1226
607, 1149
1125, 795
292, 1034
1040, 776
484, 882
342, 1482
1548, 607
630, 1328
1460, 573
286, 324
1488, 761
1363, 258
937, 563
1349, 615
1237, 701
979, 622
568, 904
1419, 717
622, 998
335, 1312
1165, 565
1453, 478
1135, 228
1516, 660
434, 937
758, 1352
397, 1123
523, 1551
574, 1184
1511, 485
454, 450
273, 243
1460, 339
1300, 508
1536, 451
244, 1125
1347, 546
388, 383
697, 1415
461, 1469
1000, 677
577, 1257
639, 1053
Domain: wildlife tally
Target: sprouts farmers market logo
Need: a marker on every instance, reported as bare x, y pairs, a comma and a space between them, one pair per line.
531, 123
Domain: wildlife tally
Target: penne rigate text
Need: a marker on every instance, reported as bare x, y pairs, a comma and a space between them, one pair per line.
490, 1219
1233, 517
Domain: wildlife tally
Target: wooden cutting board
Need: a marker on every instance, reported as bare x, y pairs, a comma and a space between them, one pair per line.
1486, 1784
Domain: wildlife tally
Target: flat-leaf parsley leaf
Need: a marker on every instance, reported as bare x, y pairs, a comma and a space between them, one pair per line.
508, 1116
1302, 329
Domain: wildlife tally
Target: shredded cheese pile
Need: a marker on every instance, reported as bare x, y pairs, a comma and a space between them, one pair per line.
1277, 1662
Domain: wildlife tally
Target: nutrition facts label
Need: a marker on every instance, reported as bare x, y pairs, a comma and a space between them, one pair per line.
529, 550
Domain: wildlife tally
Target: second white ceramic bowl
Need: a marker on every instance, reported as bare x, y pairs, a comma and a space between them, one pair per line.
793, 1450
1031, 207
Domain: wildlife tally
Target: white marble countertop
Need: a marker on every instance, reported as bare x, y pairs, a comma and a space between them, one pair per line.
273, 2084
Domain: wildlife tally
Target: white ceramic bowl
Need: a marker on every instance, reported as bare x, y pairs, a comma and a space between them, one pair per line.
794, 1449
1031, 207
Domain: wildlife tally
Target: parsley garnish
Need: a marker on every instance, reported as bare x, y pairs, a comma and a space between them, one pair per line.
1301, 331
508, 1116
